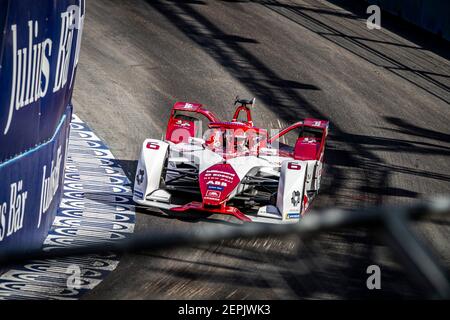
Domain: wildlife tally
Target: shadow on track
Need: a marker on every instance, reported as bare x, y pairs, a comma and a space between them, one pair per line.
373, 49
352, 153
301, 271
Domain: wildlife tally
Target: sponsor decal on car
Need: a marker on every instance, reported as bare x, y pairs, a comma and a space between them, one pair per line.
211, 194
214, 187
218, 175
181, 123
217, 183
138, 194
152, 145
294, 166
295, 200
140, 176
295, 215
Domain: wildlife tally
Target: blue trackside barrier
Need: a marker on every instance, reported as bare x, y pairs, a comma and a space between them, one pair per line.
39, 49
30, 191
431, 15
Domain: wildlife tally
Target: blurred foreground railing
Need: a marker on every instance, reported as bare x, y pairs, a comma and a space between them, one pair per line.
414, 255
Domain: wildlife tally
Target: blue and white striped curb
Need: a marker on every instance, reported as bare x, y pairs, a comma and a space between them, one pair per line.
97, 206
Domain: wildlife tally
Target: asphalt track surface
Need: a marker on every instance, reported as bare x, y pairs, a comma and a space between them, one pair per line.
385, 92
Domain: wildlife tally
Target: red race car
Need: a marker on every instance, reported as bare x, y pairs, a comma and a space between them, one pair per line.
232, 167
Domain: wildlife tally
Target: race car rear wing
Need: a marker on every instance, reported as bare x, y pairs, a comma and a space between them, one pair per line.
310, 143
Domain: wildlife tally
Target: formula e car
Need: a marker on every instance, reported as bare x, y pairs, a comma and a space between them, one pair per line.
232, 168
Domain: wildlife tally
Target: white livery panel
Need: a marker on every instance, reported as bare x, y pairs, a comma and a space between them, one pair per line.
291, 189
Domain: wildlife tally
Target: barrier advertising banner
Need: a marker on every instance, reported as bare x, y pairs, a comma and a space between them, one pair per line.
39, 50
